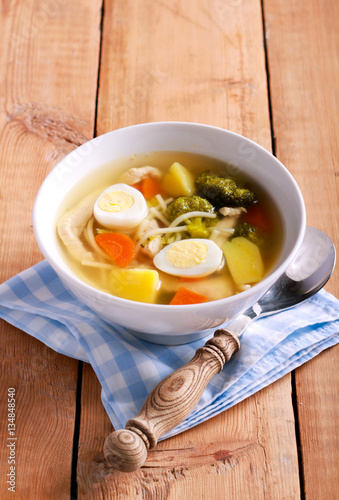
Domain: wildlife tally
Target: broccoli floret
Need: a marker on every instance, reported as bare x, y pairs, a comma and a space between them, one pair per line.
185, 204
197, 227
222, 191
250, 232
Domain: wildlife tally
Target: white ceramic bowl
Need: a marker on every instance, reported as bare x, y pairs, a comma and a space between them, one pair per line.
166, 324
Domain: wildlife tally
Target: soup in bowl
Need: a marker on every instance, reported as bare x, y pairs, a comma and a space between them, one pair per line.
169, 229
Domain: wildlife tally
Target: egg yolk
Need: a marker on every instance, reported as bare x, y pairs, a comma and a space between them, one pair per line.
187, 253
116, 201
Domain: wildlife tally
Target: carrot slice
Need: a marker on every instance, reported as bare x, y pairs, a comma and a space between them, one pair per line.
119, 247
137, 186
151, 187
186, 296
258, 217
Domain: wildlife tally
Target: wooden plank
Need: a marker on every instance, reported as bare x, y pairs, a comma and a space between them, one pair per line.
317, 397
233, 455
193, 61
95, 424
303, 65
45, 386
304, 96
204, 62
47, 108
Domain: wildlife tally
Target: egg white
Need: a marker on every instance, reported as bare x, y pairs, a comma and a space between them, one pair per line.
125, 219
212, 261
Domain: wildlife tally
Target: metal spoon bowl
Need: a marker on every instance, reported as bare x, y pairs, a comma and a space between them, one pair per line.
306, 275
173, 399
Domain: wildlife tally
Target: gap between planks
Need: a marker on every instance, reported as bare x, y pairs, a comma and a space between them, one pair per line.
293, 382
77, 419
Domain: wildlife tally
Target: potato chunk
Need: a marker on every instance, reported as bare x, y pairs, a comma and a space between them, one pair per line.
140, 285
178, 181
244, 260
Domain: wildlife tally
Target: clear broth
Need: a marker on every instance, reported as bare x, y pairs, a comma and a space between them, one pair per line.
216, 286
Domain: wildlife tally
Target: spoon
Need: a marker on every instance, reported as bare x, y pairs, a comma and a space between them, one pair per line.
173, 399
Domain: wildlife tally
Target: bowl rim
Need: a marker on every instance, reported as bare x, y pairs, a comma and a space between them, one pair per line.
68, 275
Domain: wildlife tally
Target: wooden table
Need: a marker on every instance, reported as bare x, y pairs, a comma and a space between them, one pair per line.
74, 69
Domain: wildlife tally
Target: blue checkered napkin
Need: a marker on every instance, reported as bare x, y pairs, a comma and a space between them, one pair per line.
128, 368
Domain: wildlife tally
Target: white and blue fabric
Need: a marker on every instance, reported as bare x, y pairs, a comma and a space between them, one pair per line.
128, 368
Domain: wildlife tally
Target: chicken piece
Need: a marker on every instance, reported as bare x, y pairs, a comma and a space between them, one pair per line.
71, 225
230, 211
228, 222
155, 244
135, 175
152, 247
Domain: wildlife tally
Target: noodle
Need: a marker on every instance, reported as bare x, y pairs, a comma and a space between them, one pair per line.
159, 216
91, 240
222, 229
155, 232
189, 215
161, 202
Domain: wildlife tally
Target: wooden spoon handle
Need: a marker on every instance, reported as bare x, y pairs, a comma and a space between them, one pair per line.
169, 403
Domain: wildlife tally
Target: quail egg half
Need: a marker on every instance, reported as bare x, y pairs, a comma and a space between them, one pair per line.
120, 207
193, 258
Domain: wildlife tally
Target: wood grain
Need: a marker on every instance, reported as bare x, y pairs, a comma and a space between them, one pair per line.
169, 403
195, 61
303, 45
166, 60
190, 61
45, 389
231, 456
47, 107
304, 92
